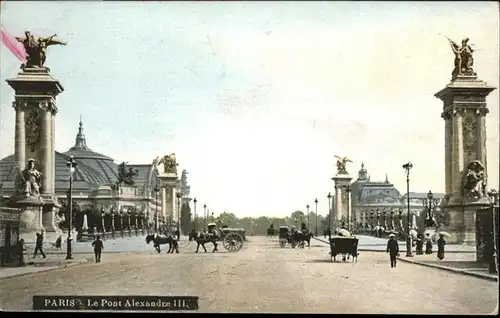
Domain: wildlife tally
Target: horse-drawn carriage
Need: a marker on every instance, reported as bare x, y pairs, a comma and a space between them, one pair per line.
344, 245
231, 240
285, 237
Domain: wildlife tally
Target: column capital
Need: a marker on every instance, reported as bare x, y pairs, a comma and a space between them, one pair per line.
43, 104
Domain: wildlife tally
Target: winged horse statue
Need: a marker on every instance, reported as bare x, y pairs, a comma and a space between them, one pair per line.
341, 163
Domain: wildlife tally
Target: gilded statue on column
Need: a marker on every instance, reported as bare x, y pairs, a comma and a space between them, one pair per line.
341, 164
464, 61
36, 48
169, 163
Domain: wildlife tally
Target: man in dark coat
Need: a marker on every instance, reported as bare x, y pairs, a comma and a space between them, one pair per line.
98, 246
393, 249
428, 244
441, 243
58, 243
39, 244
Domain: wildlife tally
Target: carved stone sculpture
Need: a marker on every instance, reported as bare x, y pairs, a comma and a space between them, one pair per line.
31, 180
36, 48
472, 185
126, 176
464, 61
33, 129
169, 163
341, 164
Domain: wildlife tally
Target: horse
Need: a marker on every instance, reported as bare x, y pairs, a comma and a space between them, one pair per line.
160, 240
300, 238
202, 239
271, 232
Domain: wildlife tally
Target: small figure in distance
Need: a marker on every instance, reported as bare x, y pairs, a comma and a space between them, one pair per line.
98, 247
393, 249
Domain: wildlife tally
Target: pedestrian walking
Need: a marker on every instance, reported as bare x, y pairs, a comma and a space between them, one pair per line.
39, 244
393, 249
98, 247
428, 245
58, 243
420, 245
441, 243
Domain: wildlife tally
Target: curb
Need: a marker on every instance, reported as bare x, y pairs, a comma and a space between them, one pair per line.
451, 269
86, 261
366, 248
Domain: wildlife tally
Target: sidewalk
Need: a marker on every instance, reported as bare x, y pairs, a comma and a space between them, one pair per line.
37, 265
375, 244
464, 264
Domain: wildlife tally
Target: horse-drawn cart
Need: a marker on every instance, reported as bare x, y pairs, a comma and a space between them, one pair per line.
231, 240
284, 235
347, 246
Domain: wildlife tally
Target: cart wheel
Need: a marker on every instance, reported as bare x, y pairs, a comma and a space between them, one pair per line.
233, 242
282, 243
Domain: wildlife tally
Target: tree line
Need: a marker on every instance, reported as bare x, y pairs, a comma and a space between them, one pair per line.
252, 225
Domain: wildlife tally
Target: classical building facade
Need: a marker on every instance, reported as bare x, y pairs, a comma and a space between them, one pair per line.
380, 203
100, 186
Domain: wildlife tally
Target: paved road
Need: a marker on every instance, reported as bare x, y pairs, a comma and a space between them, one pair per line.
265, 278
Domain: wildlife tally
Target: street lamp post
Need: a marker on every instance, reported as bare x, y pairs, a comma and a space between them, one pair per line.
307, 207
71, 164
157, 190
493, 196
113, 223
103, 214
430, 204
408, 166
179, 196
121, 222
316, 212
329, 196
194, 202
204, 217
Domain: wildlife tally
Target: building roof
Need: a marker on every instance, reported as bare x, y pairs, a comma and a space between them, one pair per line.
365, 191
80, 149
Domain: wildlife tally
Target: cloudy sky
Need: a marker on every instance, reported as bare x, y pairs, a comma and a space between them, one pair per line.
256, 98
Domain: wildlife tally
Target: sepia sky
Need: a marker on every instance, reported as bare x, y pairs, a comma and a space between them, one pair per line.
256, 98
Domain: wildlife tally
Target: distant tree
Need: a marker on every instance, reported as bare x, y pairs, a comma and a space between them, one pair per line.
297, 217
186, 218
227, 218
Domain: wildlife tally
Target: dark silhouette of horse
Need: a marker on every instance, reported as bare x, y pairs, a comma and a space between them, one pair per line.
271, 232
161, 240
301, 238
202, 239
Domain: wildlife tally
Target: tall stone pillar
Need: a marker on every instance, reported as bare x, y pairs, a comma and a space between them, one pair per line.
167, 183
342, 202
464, 111
35, 105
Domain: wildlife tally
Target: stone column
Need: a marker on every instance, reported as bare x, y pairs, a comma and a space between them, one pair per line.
457, 154
337, 212
20, 137
448, 133
53, 139
464, 108
45, 147
164, 196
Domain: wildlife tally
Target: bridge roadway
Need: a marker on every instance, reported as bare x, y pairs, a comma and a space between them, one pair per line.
265, 278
